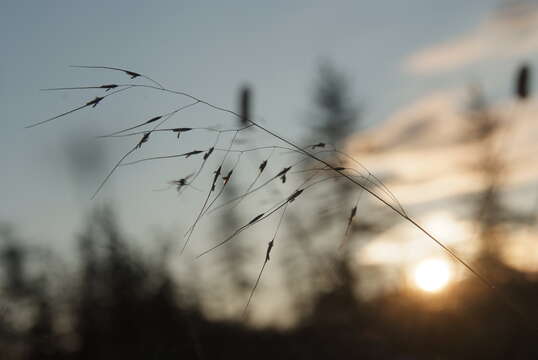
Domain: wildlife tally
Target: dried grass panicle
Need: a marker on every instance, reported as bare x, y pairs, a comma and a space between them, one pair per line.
245, 104
360, 177
282, 175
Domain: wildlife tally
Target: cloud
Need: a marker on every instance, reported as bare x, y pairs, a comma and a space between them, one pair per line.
511, 31
428, 154
432, 158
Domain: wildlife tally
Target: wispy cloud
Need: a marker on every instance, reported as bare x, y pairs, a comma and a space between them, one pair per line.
510, 31
423, 153
426, 155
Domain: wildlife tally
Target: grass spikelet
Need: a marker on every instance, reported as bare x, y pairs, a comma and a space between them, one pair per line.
352, 215
144, 139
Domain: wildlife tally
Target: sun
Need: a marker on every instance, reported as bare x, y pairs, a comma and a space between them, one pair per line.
432, 275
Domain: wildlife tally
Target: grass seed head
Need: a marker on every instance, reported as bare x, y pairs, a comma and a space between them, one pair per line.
144, 139
108, 86
94, 102
258, 217
262, 166
208, 153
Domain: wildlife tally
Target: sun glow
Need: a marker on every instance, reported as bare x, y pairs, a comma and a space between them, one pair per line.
432, 275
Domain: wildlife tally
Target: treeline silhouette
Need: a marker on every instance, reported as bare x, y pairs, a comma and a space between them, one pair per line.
120, 304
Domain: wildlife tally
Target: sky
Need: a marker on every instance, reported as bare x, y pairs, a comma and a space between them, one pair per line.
394, 53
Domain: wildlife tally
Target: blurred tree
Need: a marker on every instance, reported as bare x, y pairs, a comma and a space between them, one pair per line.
492, 214
234, 255
490, 210
335, 115
332, 283
44, 343
13, 259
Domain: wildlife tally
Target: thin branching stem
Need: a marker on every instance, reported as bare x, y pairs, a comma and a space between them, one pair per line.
270, 246
217, 174
130, 73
